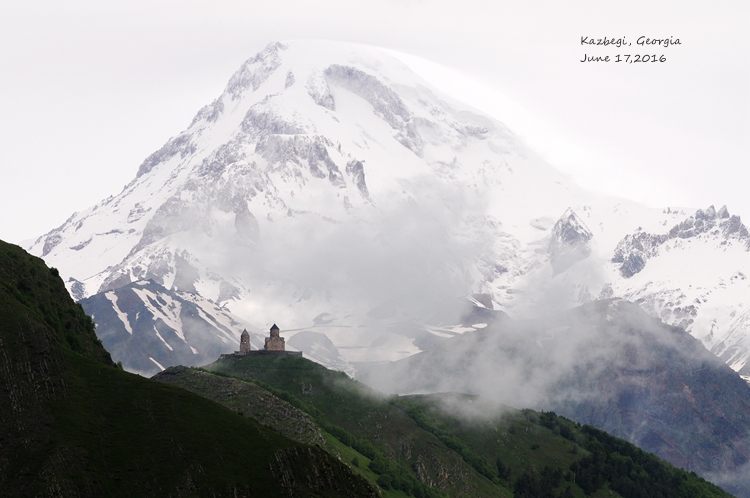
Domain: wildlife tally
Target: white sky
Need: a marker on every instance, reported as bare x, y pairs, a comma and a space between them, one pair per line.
89, 88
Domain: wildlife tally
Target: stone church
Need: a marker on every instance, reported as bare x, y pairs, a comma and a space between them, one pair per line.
275, 342
275, 345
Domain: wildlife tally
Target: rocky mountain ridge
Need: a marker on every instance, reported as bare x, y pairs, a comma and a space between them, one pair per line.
701, 293
330, 189
635, 250
148, 326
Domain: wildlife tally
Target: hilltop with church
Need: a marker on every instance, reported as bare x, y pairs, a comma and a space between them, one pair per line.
275, 345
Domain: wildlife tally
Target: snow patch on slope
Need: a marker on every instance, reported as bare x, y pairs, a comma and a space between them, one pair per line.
123, 317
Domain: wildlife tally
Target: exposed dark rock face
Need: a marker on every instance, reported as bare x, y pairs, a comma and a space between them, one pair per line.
115, 281
385, 102
318, 155
569, 243
52, 241
143, 320
137, 213
209, 113
260, 121
77, 289
634, 250
484, 299
357, 170
83, 244
289, 81
319, 91
632, 264
173, 216
255, 71
180, 144
227, 291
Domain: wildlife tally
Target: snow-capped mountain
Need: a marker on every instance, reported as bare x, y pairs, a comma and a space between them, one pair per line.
330, 189
693, 276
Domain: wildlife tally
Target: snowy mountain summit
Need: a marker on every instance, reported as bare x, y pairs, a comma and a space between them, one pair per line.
330, 189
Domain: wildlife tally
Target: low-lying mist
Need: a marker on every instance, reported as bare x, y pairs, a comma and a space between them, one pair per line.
606, 363
405, 252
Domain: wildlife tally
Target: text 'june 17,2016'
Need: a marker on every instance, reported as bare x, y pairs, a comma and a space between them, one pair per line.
646, 46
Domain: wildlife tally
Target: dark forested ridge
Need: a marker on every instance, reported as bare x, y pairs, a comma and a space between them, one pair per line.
73, 424
591, 460
31, 284
454, 444
607, 364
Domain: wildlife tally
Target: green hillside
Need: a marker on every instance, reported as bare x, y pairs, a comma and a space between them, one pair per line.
41, 292
547, 455
75, 425
404, 456
459, 446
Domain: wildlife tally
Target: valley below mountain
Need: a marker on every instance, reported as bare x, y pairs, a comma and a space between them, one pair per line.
608, 364
451, 444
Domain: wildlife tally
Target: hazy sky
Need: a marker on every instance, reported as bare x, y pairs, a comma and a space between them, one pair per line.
88, 88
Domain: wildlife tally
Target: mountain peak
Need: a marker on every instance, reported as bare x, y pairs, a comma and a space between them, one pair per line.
569, 241
328, 179
634, 250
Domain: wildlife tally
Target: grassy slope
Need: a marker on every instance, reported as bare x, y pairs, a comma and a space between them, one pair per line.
170, 441
253, 401
412, 430
366, 415
72, 424
519, 443
40, 289
589, 461
248, 399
